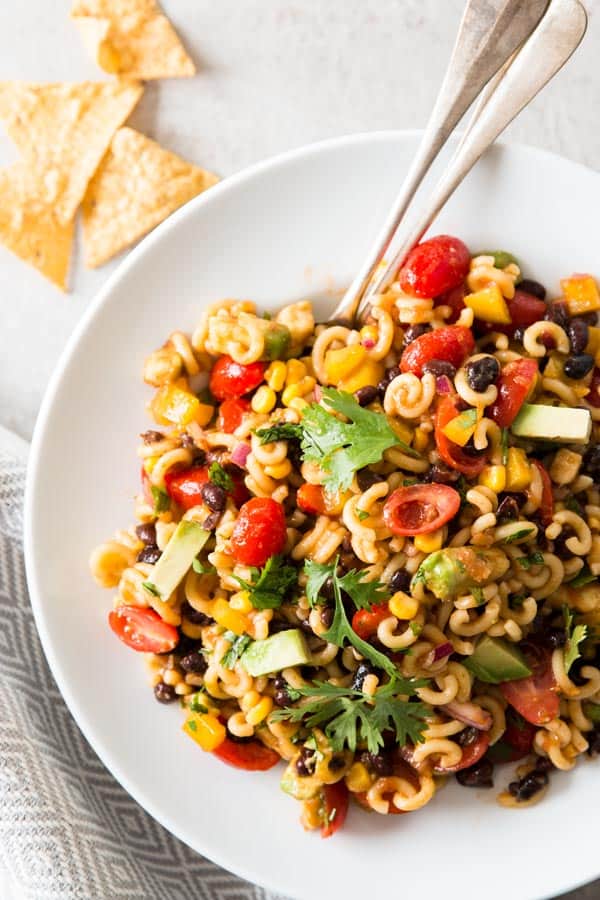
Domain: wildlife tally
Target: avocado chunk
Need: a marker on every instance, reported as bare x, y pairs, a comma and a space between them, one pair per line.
286, 648
502, 259
186, 542
495, 661
553, 423
457, 570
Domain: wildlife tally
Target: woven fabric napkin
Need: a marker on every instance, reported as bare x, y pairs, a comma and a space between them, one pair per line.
68, 831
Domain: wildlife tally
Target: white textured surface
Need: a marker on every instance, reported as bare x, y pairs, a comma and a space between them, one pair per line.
274, 74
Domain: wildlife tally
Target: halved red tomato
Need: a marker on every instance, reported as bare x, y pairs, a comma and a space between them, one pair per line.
452, 454
534, 697
455, 299
231, 414
547, 501
420, 508
453, 344
335, 807
143, 629
184, 486
515, 383
249, 755
472, 750
365, 622
232, 379
259, 532
435, 266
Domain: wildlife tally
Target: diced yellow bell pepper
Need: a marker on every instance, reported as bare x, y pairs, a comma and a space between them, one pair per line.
421, 440
494, 478
171, 405
370, 372
402, 430
341, 363
403, 606
581, 293
205, 729
229, 618
358, 778
489, 304
241, 602
429, 543
554, 367
518, 470
462, 427
593, 345
204, 414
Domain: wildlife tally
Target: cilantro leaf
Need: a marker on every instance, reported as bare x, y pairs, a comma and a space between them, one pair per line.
341, 448
280, 431
534, 559
162, 501
517, 535
584, 577
238, 644
196, 704
201, 568
350, 717
575, 636
317, 574
362, 514
362, 593
270, 586
220, 477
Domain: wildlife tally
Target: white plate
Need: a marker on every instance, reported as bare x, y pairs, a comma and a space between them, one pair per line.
292, 227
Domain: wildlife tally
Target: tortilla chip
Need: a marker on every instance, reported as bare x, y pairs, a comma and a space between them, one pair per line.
131, 37
30, 228
63, 131
137, 185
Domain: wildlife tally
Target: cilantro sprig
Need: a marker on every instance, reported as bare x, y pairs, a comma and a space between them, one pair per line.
280, 431
239, 643
270, 586
534, 559
575, 636
220, 477
342, 448
350, 717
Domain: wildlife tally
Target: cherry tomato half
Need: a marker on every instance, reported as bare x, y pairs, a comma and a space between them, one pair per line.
365, 622
231, 414
143, 629
230, 379
453, 344
534, 697
455, 299
472, 750
311, 499
514, 384
453, 455
259, 532
185, 486
547, 501
420, 508
249, 755
517, 740
435, 266
335, 807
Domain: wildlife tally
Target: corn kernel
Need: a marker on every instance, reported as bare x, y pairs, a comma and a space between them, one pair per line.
259, 712
403, 606
581, 293
264, 399
205, 729
421, 439
290, 393
296, 370
241, 602
298, 403
275, 375
281, 470
173, 406
494, 478
308, 363
518, 470
489, 304
229, 618
358, 778
429, 543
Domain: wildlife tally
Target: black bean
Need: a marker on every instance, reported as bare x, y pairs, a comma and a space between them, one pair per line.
440, 473
327, 589
439, 367
164, 693
382, 763
327, 614
413, 332
362, 670
280, 694
543, 764
348, 558
593, 738
147, 532
400, 581
518, 335
558, 312
555, 637
149, 554
591, 461
481, 373
194, 662
533, 287
194, 615
590, 318
366, 395
578, 366
211, 521
479, 776
467, 736
336, 763
305, 626
152, 437
579, 335
199, 458
367, 478
214, 496
529, 785
387, 379
187, 441
306, 762
508, 509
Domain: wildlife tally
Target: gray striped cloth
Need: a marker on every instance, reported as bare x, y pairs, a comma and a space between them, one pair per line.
68, 831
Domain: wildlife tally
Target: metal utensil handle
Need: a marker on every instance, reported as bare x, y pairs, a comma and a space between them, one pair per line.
550, 47
489, 33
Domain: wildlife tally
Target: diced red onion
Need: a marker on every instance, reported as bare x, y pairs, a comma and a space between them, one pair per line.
443, 384
369, 343
469, 713
239, 454
442, 650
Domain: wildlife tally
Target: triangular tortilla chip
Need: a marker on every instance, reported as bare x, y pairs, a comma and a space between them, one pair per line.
137, 185
131, 37
63, 131
30, 228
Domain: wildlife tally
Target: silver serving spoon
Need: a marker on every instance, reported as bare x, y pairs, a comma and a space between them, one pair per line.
493, 40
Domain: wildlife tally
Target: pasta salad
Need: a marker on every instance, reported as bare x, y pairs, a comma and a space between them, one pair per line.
373, 552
